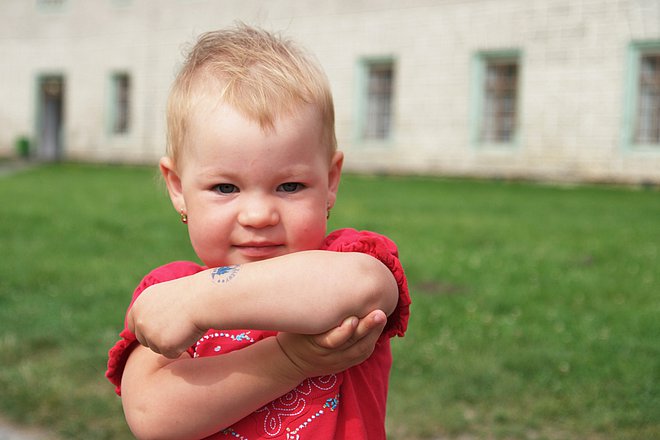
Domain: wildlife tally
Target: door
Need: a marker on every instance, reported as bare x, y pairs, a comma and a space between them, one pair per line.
51, 117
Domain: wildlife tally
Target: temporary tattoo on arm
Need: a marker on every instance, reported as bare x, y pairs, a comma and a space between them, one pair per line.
225, 274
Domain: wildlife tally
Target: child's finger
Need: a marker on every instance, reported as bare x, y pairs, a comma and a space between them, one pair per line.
338, 336
360, 346
353, 330
373, 323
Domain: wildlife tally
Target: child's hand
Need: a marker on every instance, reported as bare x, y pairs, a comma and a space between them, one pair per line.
336, 350
160, 320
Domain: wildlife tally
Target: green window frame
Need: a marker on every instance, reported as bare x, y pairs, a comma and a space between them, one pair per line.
495, 106
52, 5
641, 122
375, 112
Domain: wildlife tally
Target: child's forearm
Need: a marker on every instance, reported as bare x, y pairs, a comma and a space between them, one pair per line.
306, 292
173, 399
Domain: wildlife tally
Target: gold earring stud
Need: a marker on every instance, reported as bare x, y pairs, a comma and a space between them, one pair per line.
184, 216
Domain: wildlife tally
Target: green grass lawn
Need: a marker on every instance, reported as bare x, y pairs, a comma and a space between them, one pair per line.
536, 310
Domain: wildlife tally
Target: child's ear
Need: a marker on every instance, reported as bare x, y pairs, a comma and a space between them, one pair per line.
173, 182
334, 176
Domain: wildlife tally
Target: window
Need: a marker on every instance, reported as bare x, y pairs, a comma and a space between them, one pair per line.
378, 99
647, 130
495, 118
500, 101
641, 129
121, 90
51, 5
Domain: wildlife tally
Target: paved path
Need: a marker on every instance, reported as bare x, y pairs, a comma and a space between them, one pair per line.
11, 166
11, 432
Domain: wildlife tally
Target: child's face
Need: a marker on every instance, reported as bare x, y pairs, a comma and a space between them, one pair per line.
251, 194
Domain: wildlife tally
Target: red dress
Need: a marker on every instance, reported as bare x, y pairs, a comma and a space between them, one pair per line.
348, 405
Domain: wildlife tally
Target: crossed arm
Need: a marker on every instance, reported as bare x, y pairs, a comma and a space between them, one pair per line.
307, 293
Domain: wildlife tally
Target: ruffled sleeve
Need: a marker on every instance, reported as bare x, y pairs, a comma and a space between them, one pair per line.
118, 354
381, 247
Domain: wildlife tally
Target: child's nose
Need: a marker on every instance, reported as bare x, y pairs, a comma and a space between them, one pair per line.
258, 212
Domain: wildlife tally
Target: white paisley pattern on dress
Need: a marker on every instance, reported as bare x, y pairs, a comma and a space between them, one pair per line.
244, 336
293, 403
329, 403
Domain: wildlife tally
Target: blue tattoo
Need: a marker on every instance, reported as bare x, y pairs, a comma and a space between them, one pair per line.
225, 274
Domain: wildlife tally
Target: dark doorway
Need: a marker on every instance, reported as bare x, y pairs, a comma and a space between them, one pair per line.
51, 117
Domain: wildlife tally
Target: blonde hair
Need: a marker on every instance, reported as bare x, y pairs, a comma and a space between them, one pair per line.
261, 75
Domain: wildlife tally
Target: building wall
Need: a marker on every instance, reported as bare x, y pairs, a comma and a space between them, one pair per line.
574, 60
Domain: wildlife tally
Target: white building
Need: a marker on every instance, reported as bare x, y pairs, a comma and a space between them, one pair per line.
548, 89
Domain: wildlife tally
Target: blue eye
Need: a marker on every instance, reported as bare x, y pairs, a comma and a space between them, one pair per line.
225, 188
290, 187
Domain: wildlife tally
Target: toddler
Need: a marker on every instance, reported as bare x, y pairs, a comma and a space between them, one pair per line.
284, 332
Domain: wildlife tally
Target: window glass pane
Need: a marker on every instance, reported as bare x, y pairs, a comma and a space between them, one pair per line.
500, 97
648, 112
121, 104
51, 5
379, 101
